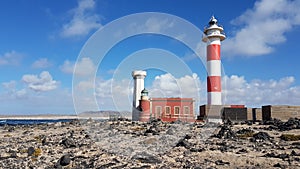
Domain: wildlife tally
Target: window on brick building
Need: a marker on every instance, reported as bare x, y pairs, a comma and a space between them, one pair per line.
176, 110
167, 110
158, 111
186, 110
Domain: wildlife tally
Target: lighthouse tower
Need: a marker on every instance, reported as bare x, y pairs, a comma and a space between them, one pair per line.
144, 106
213, 35
138, 76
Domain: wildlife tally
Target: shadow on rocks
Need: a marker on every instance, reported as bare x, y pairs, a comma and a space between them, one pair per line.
261, 136
146, 158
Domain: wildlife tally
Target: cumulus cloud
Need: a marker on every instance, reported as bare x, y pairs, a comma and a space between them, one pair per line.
41, 83
109, 94
11, 58
259, 92
41, 63
84, 67
83, 21
167, 85
12, 92
263, 27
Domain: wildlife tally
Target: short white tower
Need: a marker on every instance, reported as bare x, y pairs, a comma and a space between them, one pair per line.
138, 76
213, 35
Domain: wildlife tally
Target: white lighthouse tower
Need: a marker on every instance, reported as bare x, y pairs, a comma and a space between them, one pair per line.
138, 76
213, 35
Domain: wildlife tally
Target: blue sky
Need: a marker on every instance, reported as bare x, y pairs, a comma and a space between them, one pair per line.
41, 42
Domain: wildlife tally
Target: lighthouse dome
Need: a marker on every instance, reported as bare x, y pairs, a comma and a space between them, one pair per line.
144, 92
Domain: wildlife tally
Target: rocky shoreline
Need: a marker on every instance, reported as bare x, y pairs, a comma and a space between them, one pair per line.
126, 144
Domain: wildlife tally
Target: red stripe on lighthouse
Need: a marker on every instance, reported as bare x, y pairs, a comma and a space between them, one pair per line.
214, 84
213, 52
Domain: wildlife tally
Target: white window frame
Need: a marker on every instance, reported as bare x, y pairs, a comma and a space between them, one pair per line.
176, 114
184, 110
167, 113
158, 113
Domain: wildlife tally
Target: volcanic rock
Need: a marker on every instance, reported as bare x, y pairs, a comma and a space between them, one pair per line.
261, 136
30, 151
146, 158
68, 143
226, 133
65, 160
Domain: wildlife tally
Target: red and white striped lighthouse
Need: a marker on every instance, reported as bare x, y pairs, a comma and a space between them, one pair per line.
213, 35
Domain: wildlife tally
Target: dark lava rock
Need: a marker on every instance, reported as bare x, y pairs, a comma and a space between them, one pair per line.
11, 129
226, 132
30, 151
68, 143
293, 153
183, 143
279, 165
244, 131
13, 154
197, 149
290, 137
242, 151
146, 158
220, 162
44, 141
152, 130
65, 160
228, 122
281, 156
188, 136
261, 136
292, 123
296, 143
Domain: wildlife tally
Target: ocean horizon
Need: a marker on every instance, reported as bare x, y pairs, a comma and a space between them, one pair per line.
14, 122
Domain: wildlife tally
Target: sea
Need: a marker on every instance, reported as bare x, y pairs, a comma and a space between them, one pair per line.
13, 122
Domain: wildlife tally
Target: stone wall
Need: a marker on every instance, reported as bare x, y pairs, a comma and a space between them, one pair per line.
216, 112
254, 114
234, 114
211, 111
280, 112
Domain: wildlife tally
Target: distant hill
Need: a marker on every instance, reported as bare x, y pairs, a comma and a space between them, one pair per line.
105, 114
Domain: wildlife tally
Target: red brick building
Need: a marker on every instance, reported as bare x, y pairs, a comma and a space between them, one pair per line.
166, 109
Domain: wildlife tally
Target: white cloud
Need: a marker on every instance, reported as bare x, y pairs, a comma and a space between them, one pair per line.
167, 85
259, 92
12, 92
109, 94
262, 27
41, 63
67, 67
83, 20
152, 24
43, 82
84, 67
11, 58
9, 85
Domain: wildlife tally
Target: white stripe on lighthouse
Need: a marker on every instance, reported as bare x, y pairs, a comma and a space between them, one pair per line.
213, 68
214, 98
